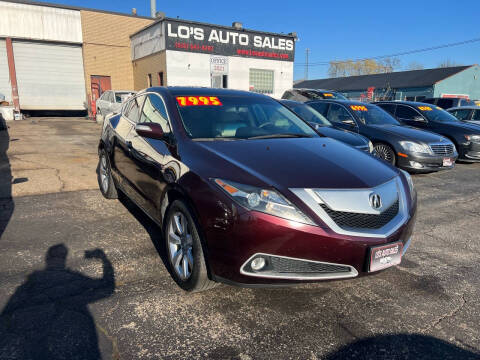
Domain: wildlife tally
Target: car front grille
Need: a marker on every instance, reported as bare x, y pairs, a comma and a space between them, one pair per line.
442, 149
287, 265
362, 221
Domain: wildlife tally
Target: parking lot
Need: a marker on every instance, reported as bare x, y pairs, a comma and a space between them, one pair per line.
120, 302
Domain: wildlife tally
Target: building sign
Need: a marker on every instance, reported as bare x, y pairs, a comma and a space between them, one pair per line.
210, 39
218, 64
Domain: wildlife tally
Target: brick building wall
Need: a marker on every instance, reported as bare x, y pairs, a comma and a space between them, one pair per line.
106, 47
152, 64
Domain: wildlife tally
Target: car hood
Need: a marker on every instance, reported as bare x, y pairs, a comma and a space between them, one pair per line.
345, 136
295, 163
409, 133
474, 122
467, 127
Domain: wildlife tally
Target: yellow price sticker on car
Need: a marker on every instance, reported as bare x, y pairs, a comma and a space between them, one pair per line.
198, 101
425, 108
327, 95
358, 107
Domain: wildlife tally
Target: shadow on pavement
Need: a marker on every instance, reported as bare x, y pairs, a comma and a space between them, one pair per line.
6, 201
47, 317
401, 347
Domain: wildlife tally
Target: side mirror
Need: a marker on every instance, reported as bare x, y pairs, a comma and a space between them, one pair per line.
419, 119
150, 131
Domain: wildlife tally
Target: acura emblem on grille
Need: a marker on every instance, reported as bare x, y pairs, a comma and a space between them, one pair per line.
375, 201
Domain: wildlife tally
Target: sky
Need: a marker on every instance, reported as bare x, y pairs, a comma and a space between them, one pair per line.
337, 30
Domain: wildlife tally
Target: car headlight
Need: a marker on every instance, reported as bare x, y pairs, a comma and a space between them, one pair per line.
410, 183
370, 147
416, 147
473, 138
264, 200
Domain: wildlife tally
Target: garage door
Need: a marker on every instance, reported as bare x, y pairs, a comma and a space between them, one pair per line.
49, 76
5, 88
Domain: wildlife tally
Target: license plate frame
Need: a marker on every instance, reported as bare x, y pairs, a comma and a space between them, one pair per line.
447, 162
384, 256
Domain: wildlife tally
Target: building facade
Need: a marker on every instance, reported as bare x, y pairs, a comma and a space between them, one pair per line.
175, 52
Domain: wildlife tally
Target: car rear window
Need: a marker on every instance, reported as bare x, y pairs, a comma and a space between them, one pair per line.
238, 117
372, 115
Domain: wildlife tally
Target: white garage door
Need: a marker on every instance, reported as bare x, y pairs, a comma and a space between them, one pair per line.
49, 76
5, 88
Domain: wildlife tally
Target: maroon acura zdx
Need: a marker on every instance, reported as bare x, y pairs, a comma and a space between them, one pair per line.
247, 193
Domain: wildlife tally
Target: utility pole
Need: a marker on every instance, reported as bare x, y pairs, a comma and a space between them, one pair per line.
307, 50
153, 8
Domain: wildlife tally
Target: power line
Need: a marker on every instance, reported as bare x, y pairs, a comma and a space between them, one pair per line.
409, 52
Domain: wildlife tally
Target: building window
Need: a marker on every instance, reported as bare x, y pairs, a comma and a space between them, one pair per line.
261, 81
149, 80
160, 78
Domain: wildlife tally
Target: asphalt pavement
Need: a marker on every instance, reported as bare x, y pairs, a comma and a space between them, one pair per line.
82, 277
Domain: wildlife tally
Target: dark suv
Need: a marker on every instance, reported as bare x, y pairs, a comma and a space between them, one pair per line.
465, 136
447, 103
246, 192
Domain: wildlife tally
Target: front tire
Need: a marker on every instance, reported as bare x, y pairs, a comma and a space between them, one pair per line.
185, 257
385, 153
104, 177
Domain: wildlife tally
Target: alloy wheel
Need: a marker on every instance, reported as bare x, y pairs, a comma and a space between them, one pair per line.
104, 173
384, 152
180, 245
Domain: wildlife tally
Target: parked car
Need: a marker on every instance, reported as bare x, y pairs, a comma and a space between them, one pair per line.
246, 192
469, 114
303, 95
325, 127
406, 147
111, 101
447, 103
466, 137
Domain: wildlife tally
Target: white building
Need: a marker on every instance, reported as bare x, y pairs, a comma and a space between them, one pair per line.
177, 52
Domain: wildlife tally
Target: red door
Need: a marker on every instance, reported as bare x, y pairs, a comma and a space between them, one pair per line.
100, 84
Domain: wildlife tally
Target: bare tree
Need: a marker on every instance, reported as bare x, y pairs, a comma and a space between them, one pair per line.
415, 66
362, 67
448, 63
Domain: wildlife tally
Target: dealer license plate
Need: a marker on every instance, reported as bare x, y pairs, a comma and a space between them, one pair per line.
447, 162
384, 256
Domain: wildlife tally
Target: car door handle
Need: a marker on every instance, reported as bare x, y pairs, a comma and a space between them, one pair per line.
129, 145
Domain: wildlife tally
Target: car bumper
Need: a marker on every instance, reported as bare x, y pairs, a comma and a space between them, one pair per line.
470, 152
425, 163
252, 233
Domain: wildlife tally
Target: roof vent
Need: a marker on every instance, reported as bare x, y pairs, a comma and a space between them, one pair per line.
237, 25
160, 15
134, 11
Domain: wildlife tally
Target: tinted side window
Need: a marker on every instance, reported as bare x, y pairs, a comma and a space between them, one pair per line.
466, 102
322, 108
405, 112
429, 101
476, 115
462, 114
154, 111
445, 103
338, 114
390, 108
134, 109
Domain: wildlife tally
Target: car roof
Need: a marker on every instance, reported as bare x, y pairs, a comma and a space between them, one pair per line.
192, 90
291, 102
310, 89
469, 107
412, 103
340, 101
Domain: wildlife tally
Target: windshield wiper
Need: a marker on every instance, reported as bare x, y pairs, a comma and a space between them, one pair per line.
277, 136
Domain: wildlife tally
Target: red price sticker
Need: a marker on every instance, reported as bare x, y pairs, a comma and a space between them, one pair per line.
358, 107
198, 101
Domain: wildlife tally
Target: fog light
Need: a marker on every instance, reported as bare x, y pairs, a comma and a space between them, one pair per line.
258, 263
416, 165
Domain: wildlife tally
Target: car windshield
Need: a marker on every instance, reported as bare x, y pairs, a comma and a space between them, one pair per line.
122, 96
318, 95
308, 114
239, 117
437, 114
373, 115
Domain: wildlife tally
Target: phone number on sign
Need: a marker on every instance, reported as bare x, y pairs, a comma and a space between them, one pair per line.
187, 46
